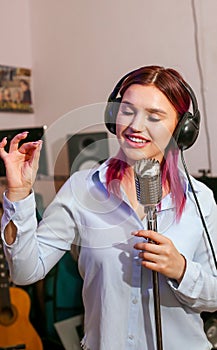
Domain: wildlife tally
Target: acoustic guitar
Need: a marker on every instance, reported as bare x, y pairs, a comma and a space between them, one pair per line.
16, 331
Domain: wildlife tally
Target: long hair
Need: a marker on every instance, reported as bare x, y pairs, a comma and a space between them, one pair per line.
168, 81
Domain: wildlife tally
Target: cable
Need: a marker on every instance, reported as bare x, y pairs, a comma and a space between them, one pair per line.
199, 209
198, 61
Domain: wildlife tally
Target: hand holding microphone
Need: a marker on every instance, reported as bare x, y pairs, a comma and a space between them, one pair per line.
162, 257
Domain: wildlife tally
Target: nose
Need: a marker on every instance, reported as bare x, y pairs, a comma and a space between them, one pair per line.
138, 123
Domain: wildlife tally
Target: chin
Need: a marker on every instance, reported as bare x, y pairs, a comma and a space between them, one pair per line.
133, 156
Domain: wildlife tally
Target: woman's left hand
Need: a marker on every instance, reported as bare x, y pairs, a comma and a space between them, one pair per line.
159, 254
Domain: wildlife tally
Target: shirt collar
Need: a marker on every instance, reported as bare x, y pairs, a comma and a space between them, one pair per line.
99, 175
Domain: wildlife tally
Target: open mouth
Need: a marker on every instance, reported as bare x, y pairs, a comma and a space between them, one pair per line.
137, 140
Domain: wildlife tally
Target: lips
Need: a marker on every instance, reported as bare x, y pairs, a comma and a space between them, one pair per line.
136, 141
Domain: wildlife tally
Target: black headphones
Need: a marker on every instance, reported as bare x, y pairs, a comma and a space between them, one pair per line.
187, 129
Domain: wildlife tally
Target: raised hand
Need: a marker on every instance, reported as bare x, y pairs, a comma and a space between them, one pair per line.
21, 163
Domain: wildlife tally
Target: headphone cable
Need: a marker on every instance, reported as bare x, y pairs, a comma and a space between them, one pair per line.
198, 61
199, 209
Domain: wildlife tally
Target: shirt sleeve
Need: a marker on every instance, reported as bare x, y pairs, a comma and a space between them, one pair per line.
37, 247
198, 288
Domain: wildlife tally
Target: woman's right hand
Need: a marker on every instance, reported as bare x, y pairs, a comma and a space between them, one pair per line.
21, 163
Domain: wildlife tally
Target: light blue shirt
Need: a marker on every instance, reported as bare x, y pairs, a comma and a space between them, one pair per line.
117, 291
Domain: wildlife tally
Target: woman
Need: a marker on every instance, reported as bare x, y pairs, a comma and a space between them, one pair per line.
99, 210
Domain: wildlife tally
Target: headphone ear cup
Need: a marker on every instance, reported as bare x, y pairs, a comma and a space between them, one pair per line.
110, 115
187, 130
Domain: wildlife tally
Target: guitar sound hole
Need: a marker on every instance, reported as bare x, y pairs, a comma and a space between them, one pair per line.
7, 312
8, 315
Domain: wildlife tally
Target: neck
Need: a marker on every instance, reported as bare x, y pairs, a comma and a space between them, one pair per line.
128, 183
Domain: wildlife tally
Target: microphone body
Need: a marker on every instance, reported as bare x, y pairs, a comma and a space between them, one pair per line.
148, 182
148, 188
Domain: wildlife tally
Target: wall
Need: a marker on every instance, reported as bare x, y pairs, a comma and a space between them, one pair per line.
15, 50
78, 50
81, 48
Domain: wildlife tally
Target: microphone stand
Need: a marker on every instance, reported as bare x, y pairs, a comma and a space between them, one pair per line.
149, 193
152, 225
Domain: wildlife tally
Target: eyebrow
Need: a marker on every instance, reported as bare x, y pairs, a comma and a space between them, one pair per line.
151, 110
156, 110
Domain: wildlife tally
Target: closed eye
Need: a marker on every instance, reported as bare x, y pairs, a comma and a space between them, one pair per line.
127, 109
153, 118
127, 112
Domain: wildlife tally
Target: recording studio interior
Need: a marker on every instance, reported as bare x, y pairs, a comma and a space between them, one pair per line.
73, 53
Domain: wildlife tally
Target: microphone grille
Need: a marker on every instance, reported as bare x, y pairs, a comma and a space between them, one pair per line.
148, 181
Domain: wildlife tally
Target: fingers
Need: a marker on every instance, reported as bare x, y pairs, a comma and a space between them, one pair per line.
162, 257
31, 150
153, 242
36, 153
150, 235
30, 147
148, 250
148, 247
14, 144
3, 143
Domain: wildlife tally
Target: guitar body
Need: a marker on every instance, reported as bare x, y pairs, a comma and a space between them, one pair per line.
15, 327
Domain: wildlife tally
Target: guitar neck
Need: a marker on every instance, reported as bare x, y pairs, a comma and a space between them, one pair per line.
5, 302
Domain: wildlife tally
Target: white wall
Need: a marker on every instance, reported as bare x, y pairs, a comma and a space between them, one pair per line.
15, 51
78, 50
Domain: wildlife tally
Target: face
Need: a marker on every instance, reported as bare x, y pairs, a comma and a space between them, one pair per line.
23, 86
145, 123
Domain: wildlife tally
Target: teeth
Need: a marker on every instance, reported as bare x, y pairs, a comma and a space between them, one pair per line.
135, 139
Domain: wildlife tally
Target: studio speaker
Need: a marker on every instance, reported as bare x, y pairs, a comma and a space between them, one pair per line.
211, 182
87, 150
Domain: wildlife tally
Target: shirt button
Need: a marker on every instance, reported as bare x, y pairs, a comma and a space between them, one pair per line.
135, 300
131, 337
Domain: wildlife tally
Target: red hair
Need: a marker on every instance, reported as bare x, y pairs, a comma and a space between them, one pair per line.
169, 82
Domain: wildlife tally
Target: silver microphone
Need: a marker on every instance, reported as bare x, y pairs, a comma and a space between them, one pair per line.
148, 181
148, 185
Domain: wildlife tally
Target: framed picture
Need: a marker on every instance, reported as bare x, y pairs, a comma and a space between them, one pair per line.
15, 89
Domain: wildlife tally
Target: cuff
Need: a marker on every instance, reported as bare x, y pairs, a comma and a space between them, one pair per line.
17, 211
189, 284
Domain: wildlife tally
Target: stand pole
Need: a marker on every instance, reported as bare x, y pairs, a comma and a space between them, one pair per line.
157, 310
152, 225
